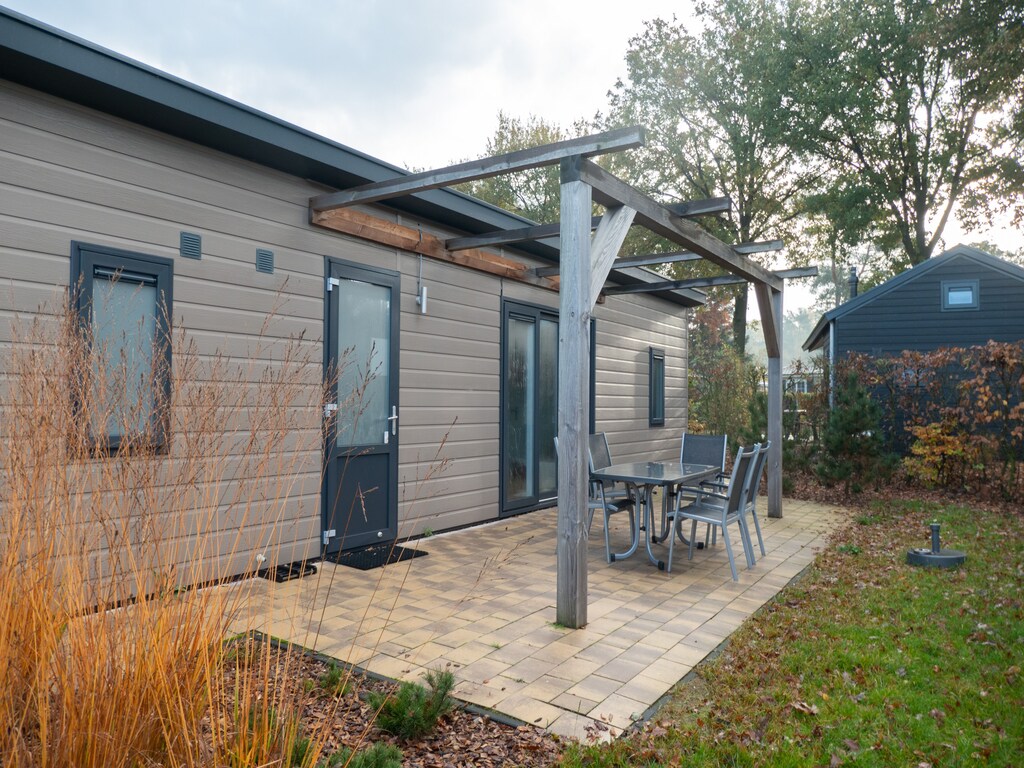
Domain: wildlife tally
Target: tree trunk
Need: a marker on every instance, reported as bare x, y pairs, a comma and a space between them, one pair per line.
739, 320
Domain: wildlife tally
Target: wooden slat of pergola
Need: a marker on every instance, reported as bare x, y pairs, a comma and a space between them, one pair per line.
522, 160
690, 209
674, 257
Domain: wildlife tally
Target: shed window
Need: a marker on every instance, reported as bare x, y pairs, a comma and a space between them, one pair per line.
961, 294
123, 300
656, 387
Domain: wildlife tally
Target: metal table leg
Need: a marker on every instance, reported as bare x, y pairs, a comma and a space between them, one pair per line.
636, 531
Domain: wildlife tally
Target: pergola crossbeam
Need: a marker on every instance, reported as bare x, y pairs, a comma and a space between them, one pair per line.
704, 282
673, 257
611, 191
521, 160
689, 209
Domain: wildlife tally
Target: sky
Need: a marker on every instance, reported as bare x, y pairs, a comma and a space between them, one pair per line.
417, 83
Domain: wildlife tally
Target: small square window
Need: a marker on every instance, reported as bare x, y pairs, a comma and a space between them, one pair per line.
656, 388
960, 294
123, 300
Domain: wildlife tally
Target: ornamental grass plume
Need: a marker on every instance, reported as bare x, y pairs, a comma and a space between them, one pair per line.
109, 654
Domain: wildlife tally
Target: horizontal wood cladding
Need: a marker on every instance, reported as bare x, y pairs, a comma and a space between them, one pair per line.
626, 328
911, 317
69, 174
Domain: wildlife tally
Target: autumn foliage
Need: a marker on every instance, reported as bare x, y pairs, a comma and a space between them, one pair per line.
956, 413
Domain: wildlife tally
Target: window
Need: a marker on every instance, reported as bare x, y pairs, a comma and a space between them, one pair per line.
656, 387
124, 302
959, 294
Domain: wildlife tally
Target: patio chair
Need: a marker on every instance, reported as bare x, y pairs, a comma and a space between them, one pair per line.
703, 449
718, 509
750, 505
706, 449
608, 497
609, 502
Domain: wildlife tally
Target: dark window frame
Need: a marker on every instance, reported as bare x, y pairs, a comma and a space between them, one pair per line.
86, 259
948, 286
655, 387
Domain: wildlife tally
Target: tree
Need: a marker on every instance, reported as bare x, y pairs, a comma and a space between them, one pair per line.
535, 193
916, 98
852, 446
716, 114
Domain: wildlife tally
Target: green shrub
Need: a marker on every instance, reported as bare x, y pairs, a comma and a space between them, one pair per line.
412, 711
333, 680
853, 449
379, 755
722, 385
302, 748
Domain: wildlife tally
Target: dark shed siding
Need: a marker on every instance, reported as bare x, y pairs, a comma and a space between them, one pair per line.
911, 317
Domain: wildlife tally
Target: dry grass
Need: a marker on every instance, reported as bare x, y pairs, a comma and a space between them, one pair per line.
107, 657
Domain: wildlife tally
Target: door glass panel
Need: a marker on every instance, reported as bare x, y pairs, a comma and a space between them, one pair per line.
547, 408
364, 354
124, 336
519, 405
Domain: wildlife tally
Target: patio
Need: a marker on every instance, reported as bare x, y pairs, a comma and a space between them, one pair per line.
483, 601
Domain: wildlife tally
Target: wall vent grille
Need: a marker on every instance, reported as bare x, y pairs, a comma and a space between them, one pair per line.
264, 261
191, 245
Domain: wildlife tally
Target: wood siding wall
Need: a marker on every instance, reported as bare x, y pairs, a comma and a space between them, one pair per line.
911, 317
68, 173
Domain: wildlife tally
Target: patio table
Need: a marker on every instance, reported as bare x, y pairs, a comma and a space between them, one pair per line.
644, 477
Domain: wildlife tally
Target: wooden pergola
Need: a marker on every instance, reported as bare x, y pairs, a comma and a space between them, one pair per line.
585, 262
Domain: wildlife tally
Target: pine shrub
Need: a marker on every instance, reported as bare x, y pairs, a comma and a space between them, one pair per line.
413, 710
379, 755
853, 449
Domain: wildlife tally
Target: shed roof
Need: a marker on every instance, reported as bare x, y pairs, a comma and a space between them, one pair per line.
819, 335
50, 60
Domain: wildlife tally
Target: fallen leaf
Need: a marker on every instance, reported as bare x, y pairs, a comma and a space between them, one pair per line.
803, 706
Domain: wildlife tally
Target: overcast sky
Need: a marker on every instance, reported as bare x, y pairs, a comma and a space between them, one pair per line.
418, 83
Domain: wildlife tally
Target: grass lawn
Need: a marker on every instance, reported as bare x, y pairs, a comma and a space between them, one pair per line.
865, 661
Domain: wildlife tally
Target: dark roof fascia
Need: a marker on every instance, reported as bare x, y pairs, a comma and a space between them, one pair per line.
50, 60
965, 251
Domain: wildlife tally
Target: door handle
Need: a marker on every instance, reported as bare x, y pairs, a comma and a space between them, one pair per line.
393, 418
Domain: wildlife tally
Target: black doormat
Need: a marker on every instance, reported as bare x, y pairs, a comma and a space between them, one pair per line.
374, 557
282, 573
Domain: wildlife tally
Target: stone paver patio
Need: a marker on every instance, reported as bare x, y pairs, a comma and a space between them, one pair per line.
483, 601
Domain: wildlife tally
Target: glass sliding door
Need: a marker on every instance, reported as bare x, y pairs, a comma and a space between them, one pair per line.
547, 408
520, 403
529, 406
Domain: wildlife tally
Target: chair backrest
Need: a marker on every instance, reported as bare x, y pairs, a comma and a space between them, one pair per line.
741, 468
756, 472
703, 449
600, 456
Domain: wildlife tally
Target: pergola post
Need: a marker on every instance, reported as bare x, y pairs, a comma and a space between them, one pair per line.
775, 411
573, 377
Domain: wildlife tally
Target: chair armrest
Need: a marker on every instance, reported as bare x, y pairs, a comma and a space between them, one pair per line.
719, 481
